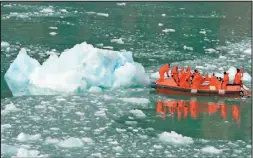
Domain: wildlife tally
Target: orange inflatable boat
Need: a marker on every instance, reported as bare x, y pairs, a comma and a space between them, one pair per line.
169, 86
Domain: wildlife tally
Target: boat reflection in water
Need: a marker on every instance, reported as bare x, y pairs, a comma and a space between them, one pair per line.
193, 108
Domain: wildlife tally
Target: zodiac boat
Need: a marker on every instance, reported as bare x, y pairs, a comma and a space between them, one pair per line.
169, 86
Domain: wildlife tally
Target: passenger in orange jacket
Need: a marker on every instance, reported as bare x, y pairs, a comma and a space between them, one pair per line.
164, 69
175, 76
238, 77
225, 80
197, 80
214, 81
188, 77
182, 81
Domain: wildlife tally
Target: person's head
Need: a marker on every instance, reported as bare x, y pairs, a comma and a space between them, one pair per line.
188, 68
238, 70
225, 73
195, 71
169, 64
213, 74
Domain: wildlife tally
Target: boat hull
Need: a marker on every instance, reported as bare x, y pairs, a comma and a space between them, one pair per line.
235, 90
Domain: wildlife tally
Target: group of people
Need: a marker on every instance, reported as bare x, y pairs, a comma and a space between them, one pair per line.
187, 79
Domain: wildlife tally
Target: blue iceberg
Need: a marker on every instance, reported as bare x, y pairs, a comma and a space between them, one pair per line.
75, 70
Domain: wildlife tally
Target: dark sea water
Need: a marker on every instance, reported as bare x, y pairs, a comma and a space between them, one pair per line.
129, 121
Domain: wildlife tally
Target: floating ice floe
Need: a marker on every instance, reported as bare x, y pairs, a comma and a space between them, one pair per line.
121, 4
22, 137
103, 14
76, 69
4, 44
187, 48
174, 138
168, 30
71, 143
137, 113
119, 41
52, 33
136, 100
53, 28
211, 150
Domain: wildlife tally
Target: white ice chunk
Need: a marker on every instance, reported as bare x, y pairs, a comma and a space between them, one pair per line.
53, 28
138, 113
174, 138
211, 150
4, 44
22, 137
160, 24
187, 48
103, 14
95, 89
121, 4
136, 100
52, 33
169, 30
119, 41
118, 149
71, 143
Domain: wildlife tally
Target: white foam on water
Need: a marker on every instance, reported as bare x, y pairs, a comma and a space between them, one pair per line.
52, 33
87, 66
168, 30
119, 41
136, 100
174, 138
53, 28
121, 4
103, 14
71, 143
163, 14
137, 113
187, 48
22, 137
4, 44
211, 150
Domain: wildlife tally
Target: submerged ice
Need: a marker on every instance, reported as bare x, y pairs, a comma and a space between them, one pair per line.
76, 69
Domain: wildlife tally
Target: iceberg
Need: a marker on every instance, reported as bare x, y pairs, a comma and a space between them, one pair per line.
75, 70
